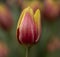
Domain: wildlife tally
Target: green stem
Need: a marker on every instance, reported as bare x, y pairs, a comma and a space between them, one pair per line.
27, 51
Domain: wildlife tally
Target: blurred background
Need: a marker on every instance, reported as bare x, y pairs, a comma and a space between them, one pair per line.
49, 44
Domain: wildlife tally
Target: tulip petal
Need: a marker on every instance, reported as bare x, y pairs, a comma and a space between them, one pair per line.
37, 22
37, 17
26, 30
23, 14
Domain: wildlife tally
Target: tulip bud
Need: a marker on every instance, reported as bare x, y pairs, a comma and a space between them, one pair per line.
3, 49
29, 27
5, 17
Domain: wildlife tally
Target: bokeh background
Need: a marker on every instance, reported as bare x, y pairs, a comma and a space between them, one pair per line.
49, 44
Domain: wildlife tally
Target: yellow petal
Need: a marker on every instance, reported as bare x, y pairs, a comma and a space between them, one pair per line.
37, 18
29, 10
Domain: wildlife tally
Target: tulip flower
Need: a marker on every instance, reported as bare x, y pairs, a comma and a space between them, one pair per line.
29, 27
6, 19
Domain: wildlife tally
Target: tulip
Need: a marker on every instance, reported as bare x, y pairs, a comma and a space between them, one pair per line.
29, 27
6, 19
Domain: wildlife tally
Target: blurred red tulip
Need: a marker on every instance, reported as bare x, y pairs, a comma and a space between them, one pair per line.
29, 27
6, 20
3, 50
51, 10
